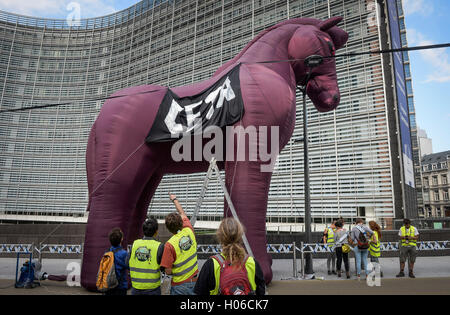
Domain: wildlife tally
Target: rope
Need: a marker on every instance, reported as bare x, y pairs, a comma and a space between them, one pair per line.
437, 46
112, 173
370, 52
256, 62
74, 102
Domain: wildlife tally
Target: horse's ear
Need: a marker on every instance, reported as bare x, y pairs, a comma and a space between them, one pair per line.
327, 24
338, 35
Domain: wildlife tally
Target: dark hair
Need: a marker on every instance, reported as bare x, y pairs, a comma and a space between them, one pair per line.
339, 223
406, 221
150, 226
359, 220
115, 236
174, 222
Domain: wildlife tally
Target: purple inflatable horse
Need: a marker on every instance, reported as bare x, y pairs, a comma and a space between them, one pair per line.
124, 170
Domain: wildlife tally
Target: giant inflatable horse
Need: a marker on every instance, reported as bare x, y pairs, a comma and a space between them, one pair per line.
124, 170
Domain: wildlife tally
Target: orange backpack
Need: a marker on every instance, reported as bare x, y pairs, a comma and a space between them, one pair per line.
106, 276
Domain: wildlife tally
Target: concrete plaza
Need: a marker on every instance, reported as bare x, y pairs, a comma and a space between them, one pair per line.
432, 277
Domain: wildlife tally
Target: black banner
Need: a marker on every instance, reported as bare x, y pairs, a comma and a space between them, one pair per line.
220, 105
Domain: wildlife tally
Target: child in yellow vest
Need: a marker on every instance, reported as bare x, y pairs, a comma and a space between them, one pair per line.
374, 249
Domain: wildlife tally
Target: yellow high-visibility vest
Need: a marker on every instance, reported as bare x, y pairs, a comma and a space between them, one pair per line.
330, 237
374, 248
411, 232
144, 268
185, 264
250, 265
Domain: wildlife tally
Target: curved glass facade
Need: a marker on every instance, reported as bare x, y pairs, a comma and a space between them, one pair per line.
174, 43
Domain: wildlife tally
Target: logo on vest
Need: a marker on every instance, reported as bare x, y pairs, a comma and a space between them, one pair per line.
185, 243
142, 254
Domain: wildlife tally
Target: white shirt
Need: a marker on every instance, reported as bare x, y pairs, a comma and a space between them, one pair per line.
416, 231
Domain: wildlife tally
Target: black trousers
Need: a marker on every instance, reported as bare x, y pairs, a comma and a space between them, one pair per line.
339, 257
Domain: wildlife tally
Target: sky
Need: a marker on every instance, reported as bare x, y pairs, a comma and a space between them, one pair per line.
427, 22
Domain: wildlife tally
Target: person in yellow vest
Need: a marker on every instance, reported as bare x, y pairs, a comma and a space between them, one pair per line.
180, 252
408, 241
329, 240
374, 245
243, 274
144, 261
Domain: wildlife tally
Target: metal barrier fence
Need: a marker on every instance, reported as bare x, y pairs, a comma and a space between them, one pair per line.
43, 248
215, 248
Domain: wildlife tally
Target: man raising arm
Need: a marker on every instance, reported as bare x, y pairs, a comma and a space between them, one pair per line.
180, 251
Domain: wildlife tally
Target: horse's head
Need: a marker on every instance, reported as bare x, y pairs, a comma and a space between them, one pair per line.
322, 39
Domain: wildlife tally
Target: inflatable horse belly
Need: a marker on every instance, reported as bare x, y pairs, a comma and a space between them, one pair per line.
126, 158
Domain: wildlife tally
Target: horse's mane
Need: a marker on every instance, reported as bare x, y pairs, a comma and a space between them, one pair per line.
300, 21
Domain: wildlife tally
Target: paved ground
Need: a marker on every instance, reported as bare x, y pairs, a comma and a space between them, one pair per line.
433, 277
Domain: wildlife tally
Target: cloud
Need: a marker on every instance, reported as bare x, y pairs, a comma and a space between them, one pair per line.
422, 7
437, 59
57, 8
31, 7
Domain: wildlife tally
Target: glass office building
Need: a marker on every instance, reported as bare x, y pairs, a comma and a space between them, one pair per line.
354, 162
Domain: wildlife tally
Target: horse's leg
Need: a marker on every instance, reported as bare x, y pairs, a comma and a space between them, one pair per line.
248, 188
108, 209
140, 213
269, 103
113, 200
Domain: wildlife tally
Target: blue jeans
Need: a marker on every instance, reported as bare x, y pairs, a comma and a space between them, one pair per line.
183, 289
361, 254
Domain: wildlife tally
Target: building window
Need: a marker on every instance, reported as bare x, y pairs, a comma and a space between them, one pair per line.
444, 180
436, 195
438, 212
405, 56
425, 182
445, 193
435, 180
402, 24
409, 87
444, 165
403, 39
411, 104
400, 8
425, 168
412, 121
407, 71
434, 166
